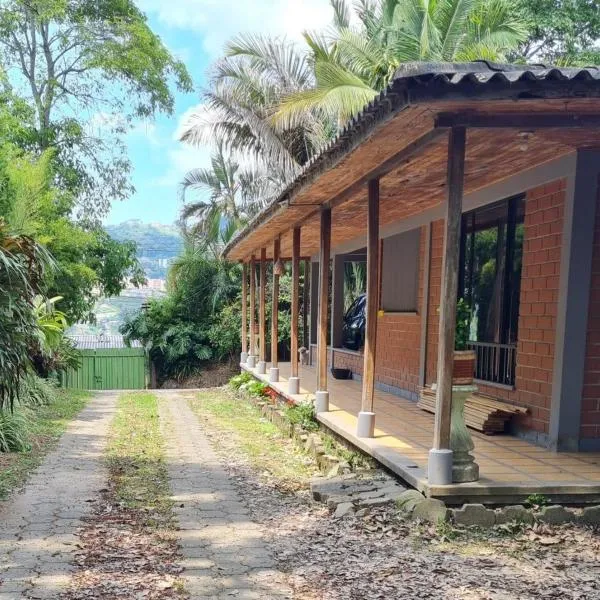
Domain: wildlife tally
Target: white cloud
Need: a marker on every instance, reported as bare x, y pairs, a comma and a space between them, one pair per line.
218, 21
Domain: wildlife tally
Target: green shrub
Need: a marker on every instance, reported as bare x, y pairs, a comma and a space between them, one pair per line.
35, 391
239, 380
256, 388
302, 414
14, 430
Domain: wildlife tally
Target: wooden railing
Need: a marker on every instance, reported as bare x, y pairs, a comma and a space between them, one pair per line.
495, 362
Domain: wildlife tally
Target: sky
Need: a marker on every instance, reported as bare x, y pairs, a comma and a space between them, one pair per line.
195, 31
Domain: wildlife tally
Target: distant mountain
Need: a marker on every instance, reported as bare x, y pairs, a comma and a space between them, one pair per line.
157, 244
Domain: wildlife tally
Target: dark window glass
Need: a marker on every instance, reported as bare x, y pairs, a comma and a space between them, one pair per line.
490, 283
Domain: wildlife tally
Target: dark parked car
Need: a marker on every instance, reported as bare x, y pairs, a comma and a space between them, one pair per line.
353, 332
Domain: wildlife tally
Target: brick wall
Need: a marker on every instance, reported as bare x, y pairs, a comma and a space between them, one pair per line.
543, 225
590, 409
398, 344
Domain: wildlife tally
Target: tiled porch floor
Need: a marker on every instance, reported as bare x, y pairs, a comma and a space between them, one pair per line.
510, 468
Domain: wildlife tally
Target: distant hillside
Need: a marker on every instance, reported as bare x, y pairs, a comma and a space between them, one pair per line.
157, 244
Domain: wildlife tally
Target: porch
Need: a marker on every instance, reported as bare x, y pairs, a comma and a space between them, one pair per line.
510, 469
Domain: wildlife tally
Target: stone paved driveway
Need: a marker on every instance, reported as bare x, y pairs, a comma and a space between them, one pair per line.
38, 525
224, 553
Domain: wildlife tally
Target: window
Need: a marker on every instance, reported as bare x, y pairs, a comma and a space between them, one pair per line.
490, 284
400, 272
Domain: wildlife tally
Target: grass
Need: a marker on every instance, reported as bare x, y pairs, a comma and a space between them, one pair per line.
136, 458
267, 449
45, 424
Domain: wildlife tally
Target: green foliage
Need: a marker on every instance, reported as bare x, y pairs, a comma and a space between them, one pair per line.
229, 198
463, 320
87, 260
23, 265
198, 321
35, 391
536, 501
255, 388
238, 380
564, 32
89, 57
14, 430
302, 414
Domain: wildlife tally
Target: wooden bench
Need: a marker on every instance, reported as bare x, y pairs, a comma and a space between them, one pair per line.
483, 413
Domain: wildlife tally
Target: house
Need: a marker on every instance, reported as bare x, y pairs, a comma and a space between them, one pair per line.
476, 181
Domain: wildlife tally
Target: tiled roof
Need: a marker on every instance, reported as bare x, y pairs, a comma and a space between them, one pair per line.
414, 83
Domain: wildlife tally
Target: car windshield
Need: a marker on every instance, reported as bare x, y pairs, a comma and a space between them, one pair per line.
355, 308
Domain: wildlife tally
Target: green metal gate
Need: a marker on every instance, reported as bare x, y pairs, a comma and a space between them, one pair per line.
109, 369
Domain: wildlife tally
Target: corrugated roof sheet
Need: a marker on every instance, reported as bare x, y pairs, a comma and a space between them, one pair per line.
96, 342
414, 83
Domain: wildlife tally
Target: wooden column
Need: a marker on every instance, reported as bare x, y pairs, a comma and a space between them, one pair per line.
244, 309
324, 258
295, 301
275, 307
368, 382
449, 293
252, 305
305, 304
262, 308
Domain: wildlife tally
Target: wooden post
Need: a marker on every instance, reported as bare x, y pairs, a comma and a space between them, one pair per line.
366, 417
252, 349
262, 339
294, 381
449, 293
305, 303
244, 333
322, 398
295, 300
274, 372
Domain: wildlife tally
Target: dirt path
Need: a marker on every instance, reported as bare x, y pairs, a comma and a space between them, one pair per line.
225, 555
38, 525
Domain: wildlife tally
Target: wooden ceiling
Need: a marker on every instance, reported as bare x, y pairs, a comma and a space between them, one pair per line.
419, 183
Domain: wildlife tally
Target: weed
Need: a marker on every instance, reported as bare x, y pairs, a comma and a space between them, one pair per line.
446, 531
239, 380
302, 414
536, 501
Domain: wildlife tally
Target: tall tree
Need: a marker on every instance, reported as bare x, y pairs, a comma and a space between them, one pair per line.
88, 67
354, 63
246, 87
229, 197
561, 32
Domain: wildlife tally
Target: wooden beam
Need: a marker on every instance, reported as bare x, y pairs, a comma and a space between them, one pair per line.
262, 307
324, 257
449, 292
409, 152
526, 122
295, 301
368, 382
252, 305
244, 308
275, 307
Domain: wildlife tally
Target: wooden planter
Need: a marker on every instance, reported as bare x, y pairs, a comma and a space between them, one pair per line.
464, 367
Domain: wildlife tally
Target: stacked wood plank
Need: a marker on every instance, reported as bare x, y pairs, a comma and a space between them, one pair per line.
482, 412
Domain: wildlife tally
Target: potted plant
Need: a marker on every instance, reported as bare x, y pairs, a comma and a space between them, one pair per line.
464, 359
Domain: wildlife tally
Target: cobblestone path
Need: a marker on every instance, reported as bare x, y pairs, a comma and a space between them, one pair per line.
38, 525
224, 553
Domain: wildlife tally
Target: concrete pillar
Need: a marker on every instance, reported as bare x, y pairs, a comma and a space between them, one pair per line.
573, 303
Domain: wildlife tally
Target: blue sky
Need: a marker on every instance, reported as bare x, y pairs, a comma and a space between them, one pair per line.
195, 31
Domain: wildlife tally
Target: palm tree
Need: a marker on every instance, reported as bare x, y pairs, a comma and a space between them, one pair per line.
232, 196
353, 64
247, 85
